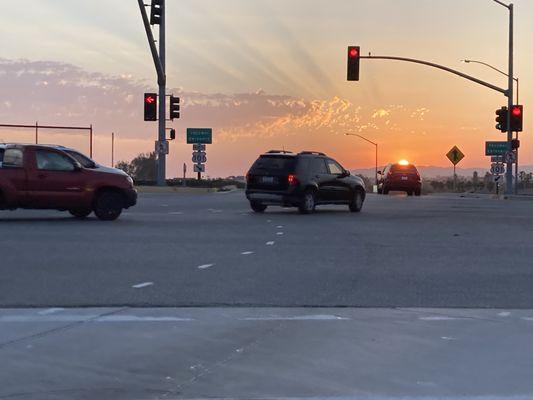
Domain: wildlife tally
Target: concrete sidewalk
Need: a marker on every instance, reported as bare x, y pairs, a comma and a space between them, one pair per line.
265, 353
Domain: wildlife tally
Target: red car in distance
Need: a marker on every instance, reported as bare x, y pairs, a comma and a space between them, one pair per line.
401, 176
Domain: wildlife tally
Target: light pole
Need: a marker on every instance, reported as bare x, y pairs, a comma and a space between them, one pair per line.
112, 149
371, 142
517, 102
509, 94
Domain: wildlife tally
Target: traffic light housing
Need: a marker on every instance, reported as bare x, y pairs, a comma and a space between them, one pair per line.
501, 119
354, 57
150, 107
172, 134
155, 12
517, 118
174, 107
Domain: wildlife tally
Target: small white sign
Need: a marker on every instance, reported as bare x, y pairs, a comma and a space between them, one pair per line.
199, 168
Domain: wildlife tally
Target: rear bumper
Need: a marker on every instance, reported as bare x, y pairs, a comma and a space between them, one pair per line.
273, 198
131, 197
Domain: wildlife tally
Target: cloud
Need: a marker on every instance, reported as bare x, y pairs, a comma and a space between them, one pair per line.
60, 93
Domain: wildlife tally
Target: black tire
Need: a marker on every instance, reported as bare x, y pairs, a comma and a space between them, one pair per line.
385, 191
409, 193
80, 213
108, 205
357, 202
308, 203
380, 191
2, 202
258, 207
417, 192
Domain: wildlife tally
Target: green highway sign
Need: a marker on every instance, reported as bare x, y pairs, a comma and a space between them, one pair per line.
495, 148
199, 135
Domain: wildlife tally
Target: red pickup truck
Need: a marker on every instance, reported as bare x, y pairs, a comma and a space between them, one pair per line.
59, 178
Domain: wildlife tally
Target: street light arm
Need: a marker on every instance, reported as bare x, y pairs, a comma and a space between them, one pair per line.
362, 137
442, 67
501, 3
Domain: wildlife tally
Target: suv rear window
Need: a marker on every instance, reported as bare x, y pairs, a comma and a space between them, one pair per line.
1, 156
12, 158
274, 164
403, 168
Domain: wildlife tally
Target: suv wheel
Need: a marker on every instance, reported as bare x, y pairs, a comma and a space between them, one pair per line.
357, 202
108, 205
385, 191
417, 192
80, 213
307, 206
2, 202
257, 207
409, 193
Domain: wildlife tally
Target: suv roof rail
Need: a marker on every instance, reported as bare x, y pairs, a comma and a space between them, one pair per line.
279, 151
317, 153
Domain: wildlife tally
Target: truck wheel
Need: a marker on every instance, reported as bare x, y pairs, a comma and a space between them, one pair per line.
80, 213
417, 192
257, 207
2, 202
357, 202
108, 206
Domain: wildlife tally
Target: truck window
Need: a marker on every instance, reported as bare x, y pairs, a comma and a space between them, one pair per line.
1, 157
12, 158
52, 161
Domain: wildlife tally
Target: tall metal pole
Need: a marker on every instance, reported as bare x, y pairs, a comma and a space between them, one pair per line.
516, 161
161, 157
91, 141
112, 149
509, 170
376, 175
36, 132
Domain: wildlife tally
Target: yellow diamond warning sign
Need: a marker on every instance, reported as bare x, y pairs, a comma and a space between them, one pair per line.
455, 155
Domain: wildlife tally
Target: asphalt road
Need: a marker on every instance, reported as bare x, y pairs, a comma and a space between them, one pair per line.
206, 250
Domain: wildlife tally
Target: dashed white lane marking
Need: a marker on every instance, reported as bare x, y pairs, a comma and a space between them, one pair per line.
439, 318
142, 285
176, 212
164, 205
205, 266
214, 210
245, 253
49, 311
504, 314
312, 317
269, 220
279, 226
447, 338
271, 243
279, 233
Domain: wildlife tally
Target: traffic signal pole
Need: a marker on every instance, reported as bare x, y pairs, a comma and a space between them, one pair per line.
159, 62
161, 157
509, 169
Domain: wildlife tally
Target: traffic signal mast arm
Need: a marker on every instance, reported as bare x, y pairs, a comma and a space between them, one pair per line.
161, 78
442, 67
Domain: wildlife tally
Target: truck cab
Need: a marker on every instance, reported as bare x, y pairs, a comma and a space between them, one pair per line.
59, 178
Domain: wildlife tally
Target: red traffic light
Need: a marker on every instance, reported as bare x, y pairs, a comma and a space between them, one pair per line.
149, 99
353, 52
517, 111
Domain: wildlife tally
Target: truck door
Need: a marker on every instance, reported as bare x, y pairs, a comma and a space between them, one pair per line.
54, 181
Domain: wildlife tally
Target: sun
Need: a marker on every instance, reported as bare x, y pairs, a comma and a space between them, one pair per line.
403, 162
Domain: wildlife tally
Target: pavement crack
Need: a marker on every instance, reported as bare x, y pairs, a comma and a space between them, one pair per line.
59, 329
242, 349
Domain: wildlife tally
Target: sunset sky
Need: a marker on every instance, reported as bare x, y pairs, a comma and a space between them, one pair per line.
266, 74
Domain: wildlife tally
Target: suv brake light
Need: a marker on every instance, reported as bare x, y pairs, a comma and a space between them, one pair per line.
292, 180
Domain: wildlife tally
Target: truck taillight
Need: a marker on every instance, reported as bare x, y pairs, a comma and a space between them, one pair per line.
292, 180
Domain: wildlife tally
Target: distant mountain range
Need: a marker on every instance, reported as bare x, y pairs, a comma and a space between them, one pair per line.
430, 171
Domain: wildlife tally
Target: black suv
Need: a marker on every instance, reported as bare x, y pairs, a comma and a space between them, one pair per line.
301, 180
